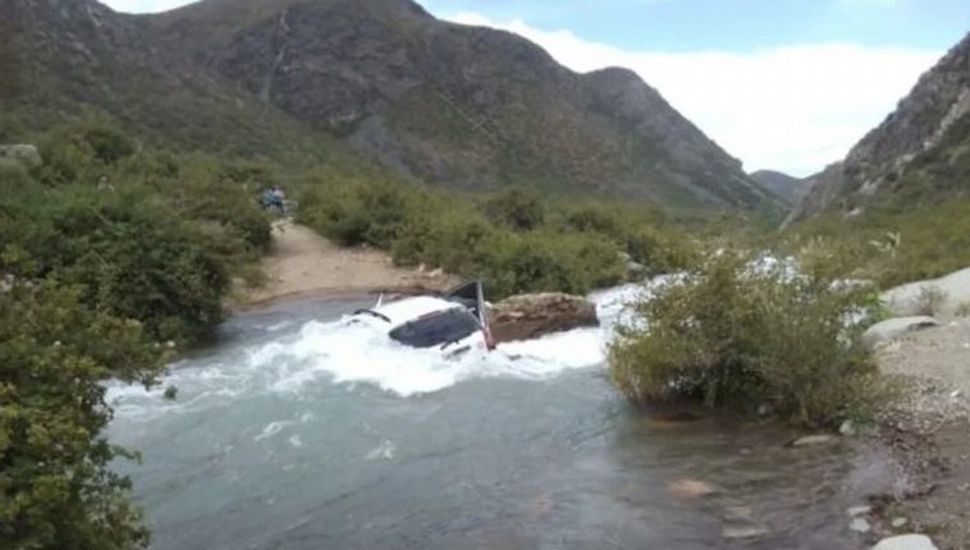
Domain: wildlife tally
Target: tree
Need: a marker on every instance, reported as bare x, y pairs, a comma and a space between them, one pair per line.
56, 487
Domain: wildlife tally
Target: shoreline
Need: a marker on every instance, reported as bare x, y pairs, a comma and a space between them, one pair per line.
303, 265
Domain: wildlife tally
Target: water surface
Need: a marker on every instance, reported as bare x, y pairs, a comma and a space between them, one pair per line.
297, 432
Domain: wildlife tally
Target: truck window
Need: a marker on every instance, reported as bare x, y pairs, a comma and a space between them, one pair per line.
436, 329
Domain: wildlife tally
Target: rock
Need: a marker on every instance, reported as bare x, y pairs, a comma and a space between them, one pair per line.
811, 440
531, 315
899, 522
26, 156
860, 525
847, 429
744, 532
910, 299
906, 542
891, 329
856, 511
690, 489
738, 513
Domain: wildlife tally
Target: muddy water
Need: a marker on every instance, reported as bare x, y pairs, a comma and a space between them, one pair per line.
296, 432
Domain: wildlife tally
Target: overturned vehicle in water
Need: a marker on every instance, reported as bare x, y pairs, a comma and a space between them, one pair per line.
455, 323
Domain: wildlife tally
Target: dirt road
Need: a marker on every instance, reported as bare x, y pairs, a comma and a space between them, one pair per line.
301, 263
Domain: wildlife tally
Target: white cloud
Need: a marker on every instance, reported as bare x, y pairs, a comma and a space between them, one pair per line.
792, 108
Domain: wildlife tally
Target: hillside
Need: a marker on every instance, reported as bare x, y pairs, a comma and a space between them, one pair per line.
788, 188
304, 80
72, 59
919, 155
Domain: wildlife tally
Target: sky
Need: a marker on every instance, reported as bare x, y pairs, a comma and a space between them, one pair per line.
789, 85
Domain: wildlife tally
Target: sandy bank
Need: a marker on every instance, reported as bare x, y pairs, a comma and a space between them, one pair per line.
303, 264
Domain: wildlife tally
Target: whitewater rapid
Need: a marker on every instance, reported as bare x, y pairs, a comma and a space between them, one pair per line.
287, 359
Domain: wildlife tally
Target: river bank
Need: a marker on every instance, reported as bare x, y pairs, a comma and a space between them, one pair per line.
303, 265
928, 430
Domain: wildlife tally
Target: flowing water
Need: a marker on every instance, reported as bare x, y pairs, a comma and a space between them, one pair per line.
299, 432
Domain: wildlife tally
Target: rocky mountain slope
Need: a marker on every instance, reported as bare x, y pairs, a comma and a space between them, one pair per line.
788, 188
920, 153
70, 59
462, 106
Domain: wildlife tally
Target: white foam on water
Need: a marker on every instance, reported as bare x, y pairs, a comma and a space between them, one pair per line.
273, 428
337, 352
385, 450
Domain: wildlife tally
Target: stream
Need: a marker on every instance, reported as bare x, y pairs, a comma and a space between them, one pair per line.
299, 432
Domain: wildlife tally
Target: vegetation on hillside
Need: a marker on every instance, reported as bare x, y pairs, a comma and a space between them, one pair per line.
514, 239
110, 257
891, 245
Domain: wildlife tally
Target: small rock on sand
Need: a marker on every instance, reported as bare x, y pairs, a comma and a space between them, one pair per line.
906, 542
811, 440
744, 531
689, 489
857, 511
860, 525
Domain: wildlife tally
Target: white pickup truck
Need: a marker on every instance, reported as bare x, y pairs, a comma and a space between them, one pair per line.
455, 323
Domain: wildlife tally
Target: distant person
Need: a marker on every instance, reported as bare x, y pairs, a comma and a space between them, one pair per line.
273, 199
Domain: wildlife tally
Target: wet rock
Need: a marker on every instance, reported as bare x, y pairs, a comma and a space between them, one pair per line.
857, 511
738, 513
860, 525
812, 440
743, 531
690, 489
906, 542
532, 315
891, 329
848, 429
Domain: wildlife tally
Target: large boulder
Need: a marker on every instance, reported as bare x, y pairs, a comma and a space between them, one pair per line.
25, 156
891, 329
906, 542
945, 295
529, 316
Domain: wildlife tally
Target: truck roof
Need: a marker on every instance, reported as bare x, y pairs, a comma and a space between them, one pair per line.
409, 309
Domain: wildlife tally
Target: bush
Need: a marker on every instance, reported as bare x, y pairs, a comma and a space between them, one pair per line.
502, 239
58, 489
359, 212
159, 245
517, 209
546, 261
735, 338
134, 258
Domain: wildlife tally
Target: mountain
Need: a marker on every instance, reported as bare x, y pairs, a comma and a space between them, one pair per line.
64, 60
467, 107
790, 189
920, 154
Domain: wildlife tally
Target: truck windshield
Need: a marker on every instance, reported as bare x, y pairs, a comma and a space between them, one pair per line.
436, 329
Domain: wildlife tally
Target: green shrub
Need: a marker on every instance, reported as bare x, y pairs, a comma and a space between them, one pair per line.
354, 213
517, 209
57, 488
893, 245
738, 339
132, 255
545, 261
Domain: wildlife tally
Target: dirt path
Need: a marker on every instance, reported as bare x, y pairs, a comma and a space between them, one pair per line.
301, 263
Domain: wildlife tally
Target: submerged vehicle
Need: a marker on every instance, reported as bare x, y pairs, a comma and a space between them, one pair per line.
455, 322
